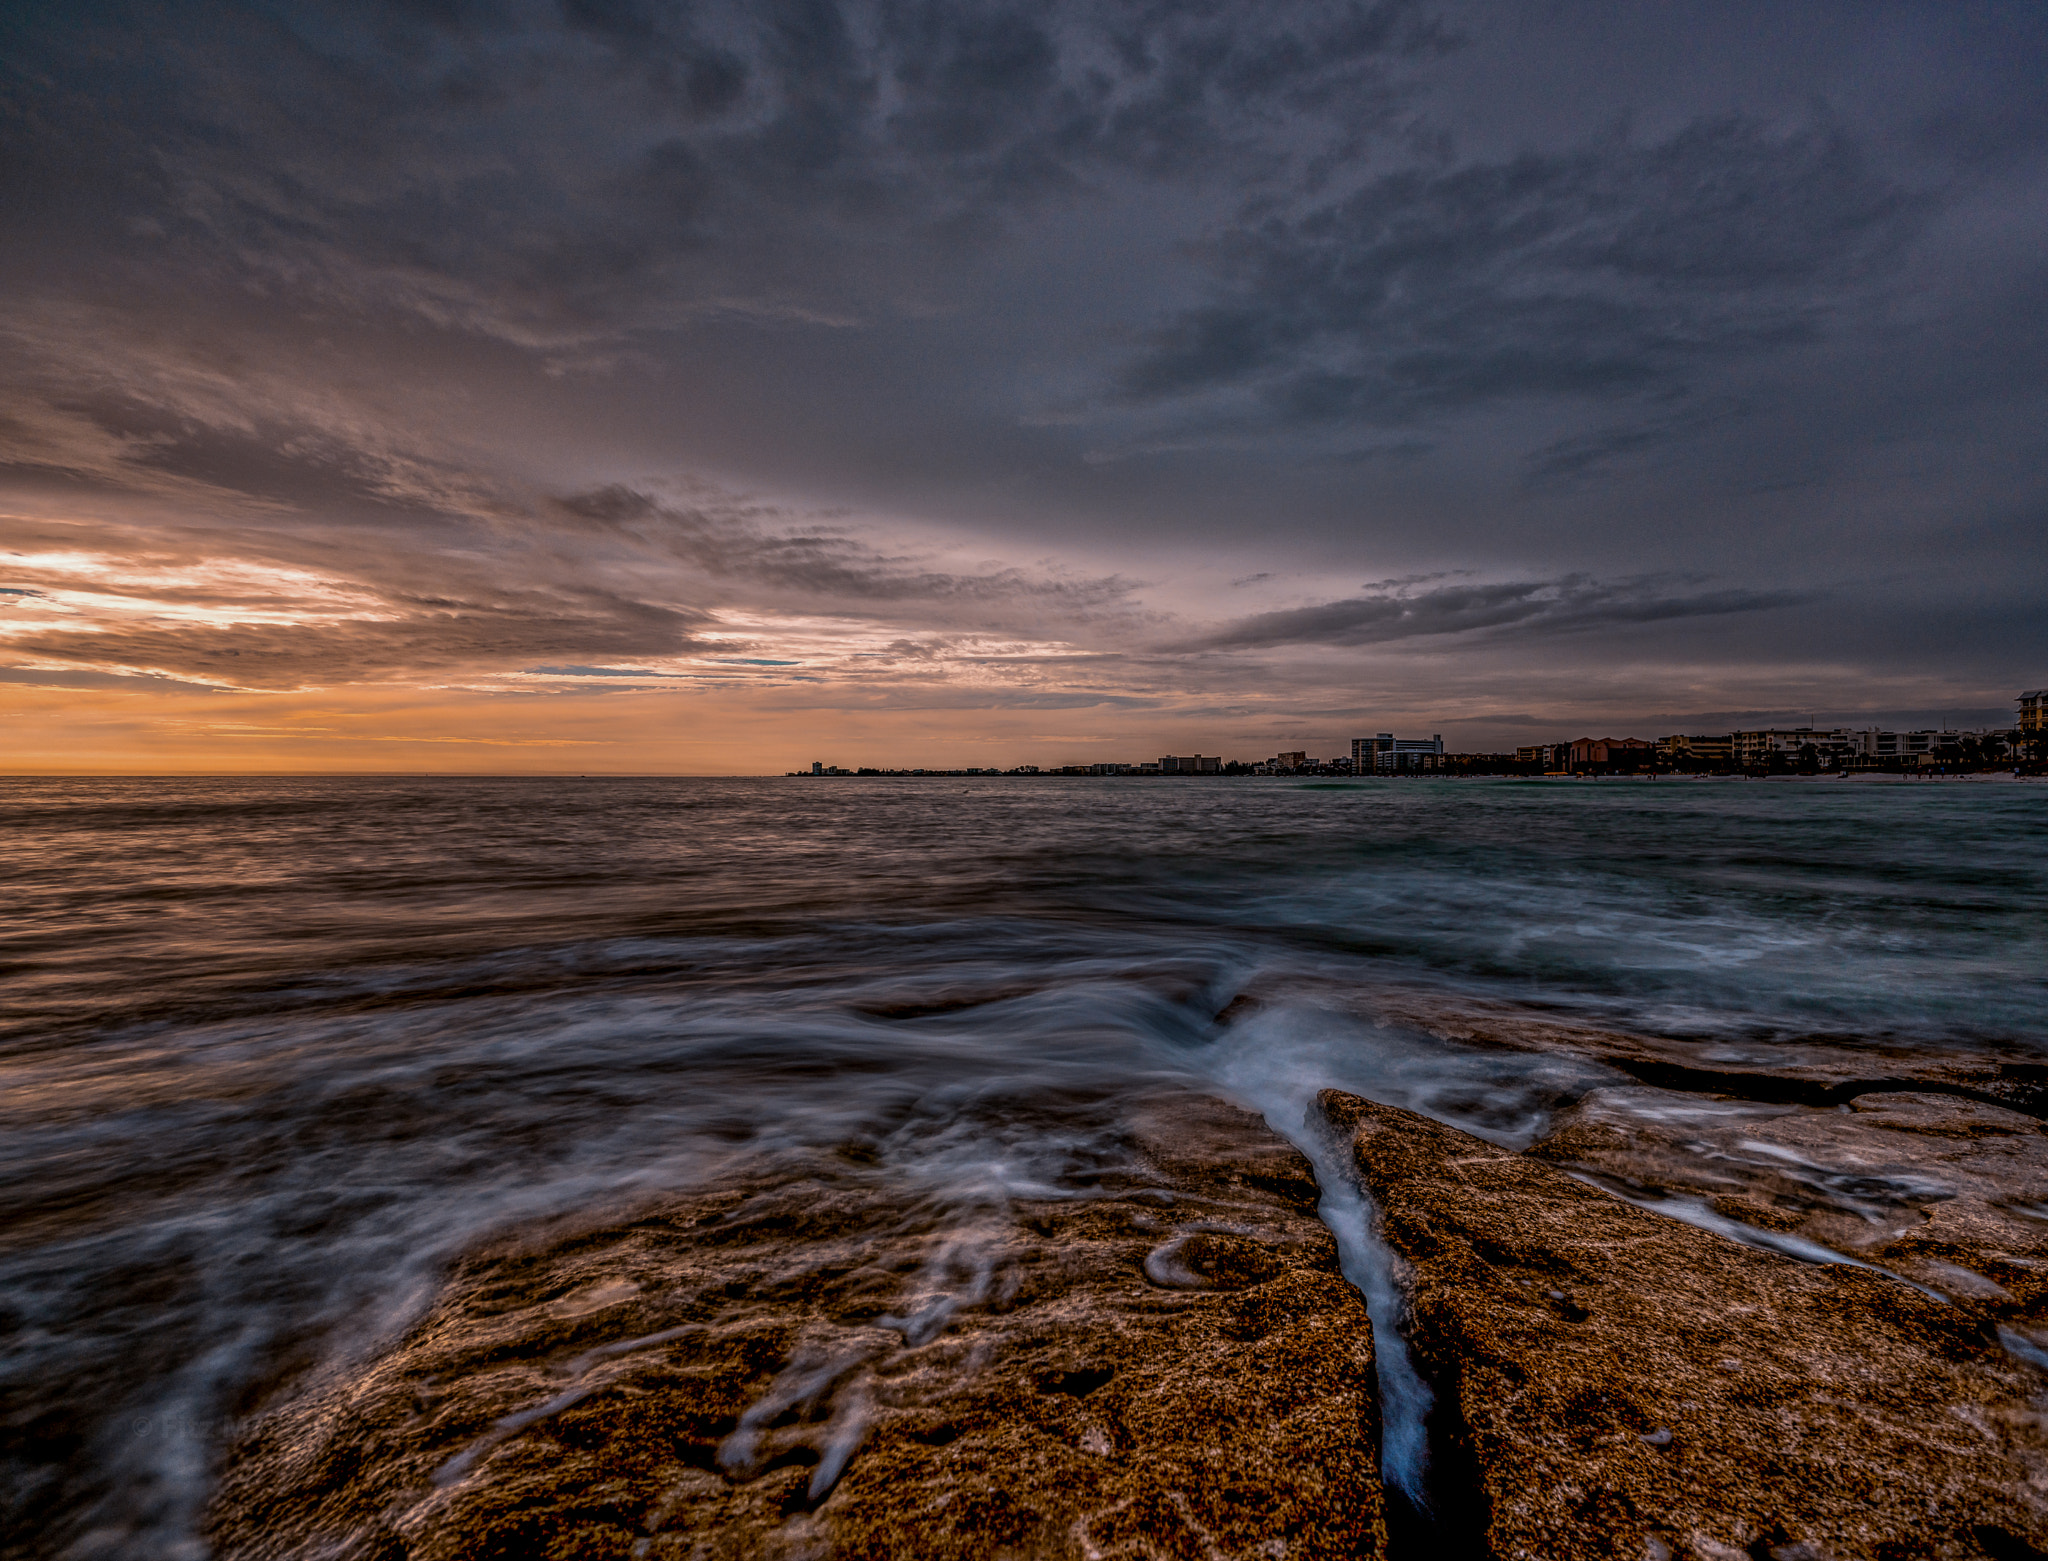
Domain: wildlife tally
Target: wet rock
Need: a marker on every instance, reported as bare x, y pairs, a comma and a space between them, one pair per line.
1612, 1383
1813, 1071
812, 1362
1950, 1192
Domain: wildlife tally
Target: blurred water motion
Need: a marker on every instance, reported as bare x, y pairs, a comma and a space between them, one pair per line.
274, 1051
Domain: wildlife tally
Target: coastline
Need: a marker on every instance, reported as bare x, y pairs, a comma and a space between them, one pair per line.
1680, 1323
287, 1073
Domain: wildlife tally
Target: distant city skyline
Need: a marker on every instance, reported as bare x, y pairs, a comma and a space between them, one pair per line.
2023, 742
639, 387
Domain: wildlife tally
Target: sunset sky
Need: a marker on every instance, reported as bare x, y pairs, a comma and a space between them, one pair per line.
615, 385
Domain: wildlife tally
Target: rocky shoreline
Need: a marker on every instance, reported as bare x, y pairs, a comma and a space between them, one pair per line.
1727, 1307
1168, 1363
1614, 1383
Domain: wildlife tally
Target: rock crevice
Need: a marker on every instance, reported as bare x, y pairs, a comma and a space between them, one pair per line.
1615, 1384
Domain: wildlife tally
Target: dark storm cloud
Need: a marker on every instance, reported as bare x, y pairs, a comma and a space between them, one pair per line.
1399, 610
1609, 270
478, 315
554, 176
1587, 455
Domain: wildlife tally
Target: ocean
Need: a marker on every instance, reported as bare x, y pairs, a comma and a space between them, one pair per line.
277, 1051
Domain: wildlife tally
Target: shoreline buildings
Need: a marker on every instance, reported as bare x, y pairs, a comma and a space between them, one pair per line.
1751, 751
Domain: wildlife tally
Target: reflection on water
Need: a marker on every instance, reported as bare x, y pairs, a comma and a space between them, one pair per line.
274, 1051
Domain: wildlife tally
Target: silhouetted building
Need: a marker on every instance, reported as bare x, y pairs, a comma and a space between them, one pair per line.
1608, 753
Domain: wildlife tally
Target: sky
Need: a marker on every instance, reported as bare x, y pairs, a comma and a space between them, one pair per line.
637, 386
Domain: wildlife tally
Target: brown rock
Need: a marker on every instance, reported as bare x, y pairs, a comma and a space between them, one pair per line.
1950, 1192
813, 1363
1616, 1384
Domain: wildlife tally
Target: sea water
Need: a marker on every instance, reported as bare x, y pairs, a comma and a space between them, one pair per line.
274, 1051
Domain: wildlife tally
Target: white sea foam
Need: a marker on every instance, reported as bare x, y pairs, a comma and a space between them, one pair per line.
1277, 1062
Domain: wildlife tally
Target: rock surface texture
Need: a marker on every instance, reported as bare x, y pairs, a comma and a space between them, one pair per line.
1164, 1362
1815, 1071
1613, 1383
1819, 1071
1949, 1192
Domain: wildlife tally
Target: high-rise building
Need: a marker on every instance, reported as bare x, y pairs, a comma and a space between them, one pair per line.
2034, 712
1388, 752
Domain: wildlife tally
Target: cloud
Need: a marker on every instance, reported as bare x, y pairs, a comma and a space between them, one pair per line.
416, 639
587, 586
554, 177
960, 353
108, 397
1581, 456
1606, 271
1394, 610
602, 672
742, 544
34, 677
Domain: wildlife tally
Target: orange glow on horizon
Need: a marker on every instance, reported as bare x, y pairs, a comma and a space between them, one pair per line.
60, 731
